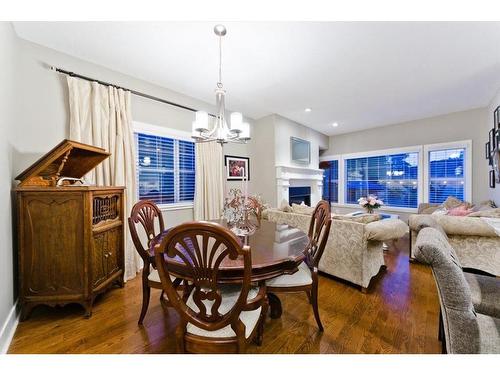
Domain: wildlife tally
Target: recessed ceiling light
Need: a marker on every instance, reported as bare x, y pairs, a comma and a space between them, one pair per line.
308, 110
335, 124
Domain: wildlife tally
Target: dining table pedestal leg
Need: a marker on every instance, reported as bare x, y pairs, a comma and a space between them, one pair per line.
274, 305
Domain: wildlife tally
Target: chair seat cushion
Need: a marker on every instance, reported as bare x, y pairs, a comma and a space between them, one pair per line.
300, 278
155, 276
229, 295
485, 292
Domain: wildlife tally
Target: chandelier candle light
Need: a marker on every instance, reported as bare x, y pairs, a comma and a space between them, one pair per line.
220, 131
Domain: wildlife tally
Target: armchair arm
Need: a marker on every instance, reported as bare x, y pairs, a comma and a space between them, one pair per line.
385, 230
258, 300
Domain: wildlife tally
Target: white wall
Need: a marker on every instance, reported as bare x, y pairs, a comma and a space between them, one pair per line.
7, 121
284, 129
271, 148
447, 128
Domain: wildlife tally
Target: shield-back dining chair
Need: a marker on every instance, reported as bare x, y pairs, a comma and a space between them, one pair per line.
306, 278
215, 318
147, 214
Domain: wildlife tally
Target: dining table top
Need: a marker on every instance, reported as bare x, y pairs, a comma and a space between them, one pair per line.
276, 249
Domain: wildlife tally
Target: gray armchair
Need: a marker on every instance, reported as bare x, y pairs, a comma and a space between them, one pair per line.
464, 328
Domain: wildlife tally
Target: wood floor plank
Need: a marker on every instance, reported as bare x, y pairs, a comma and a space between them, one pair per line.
398, 315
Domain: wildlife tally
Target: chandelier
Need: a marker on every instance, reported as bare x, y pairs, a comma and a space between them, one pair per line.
239, 132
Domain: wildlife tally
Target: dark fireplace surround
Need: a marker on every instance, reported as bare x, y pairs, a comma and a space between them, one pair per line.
299, 194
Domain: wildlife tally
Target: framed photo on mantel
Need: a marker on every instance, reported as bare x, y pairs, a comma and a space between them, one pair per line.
237, 168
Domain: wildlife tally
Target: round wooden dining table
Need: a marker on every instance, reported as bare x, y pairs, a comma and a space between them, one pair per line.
277, 249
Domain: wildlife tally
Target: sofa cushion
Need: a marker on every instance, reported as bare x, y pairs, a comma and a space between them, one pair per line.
285, 207
462, 210
457, 225
418, 222
302, 209
491, 212
485, 293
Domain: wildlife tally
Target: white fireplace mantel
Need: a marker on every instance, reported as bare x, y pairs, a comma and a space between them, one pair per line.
287, 176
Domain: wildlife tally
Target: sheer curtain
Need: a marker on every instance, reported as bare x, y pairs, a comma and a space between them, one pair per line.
209, 192
101, 116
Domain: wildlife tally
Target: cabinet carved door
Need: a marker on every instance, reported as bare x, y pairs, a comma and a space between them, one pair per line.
53, 244
99, 263
113, 249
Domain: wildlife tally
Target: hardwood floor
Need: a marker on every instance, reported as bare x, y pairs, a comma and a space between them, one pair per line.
398, 315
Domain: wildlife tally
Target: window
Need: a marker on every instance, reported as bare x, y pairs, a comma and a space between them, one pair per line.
446, 174
392, 178
330, 180
165, 169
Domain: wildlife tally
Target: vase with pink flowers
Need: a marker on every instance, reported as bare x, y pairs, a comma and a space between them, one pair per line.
370, 203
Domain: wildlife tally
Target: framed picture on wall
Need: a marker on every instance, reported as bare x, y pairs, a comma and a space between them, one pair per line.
492, 178
487, 151
496, 118
237, 168
495, 158
492, 140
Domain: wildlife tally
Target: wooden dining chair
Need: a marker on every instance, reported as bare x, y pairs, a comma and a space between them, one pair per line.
147, 214
306, 278
214, 318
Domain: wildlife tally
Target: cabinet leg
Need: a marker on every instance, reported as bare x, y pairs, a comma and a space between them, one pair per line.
88, 308
26, 310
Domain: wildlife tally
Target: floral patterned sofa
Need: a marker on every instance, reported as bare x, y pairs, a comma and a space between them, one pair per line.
476, 242
354, 249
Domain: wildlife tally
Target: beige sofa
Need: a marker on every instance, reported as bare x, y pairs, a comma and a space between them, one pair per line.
354, 250
476, 243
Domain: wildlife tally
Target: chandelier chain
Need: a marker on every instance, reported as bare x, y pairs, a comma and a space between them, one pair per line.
219, 84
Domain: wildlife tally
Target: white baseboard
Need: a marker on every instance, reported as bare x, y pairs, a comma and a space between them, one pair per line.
8, 329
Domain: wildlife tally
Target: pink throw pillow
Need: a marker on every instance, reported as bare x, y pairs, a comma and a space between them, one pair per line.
461, 210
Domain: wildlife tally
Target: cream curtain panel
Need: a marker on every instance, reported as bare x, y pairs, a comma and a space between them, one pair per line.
209, 192
101, 116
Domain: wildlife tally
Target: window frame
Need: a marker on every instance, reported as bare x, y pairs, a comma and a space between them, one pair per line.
340, 179
386, 152
161, 131
467, 145
423, 170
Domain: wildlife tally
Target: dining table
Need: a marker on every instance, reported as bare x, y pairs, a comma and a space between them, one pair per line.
276, 249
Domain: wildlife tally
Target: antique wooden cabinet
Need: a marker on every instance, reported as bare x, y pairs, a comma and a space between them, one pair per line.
71, 236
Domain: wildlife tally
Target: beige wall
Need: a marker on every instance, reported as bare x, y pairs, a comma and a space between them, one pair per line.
34, 118
447, 128
263, 174
7, 260
493, 194
42, 113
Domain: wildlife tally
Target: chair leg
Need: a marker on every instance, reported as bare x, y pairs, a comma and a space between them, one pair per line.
314, 298
308, 294
146, 292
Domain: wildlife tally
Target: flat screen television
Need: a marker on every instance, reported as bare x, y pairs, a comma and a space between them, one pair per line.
300, 150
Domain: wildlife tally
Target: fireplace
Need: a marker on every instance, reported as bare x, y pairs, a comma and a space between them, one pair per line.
299, 194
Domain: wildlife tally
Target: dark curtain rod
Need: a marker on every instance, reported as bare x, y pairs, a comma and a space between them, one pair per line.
138, 93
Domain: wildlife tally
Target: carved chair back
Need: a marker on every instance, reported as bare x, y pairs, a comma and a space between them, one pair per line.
200, 248
147, 214
319, 228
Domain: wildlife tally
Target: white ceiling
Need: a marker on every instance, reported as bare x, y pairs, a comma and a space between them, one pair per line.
360, 75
